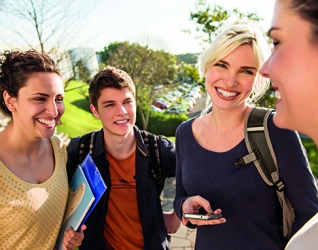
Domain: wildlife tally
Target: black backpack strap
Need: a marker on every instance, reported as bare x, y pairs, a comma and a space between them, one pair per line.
154, 161
261, 152
86, 145
258, 142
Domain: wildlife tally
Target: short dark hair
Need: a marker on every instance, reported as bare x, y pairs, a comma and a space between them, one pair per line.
16, 67
109, 77
307, 10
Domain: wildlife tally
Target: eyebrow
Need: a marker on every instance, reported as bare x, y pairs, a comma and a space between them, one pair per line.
46, 95
249, 67
224, 62
243, 67
270, 30
112, 101
42, 94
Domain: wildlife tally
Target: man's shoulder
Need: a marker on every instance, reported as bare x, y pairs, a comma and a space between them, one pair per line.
86, 139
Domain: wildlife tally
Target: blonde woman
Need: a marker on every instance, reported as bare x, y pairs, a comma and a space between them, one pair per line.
207, 146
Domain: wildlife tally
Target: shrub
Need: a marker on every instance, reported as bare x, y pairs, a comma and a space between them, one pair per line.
162, 124
312, 154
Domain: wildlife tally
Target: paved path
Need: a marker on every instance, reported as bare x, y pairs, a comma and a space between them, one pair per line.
198, 107
184, 238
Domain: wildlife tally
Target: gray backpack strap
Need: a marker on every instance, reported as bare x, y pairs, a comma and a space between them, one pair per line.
261, 152
258, 143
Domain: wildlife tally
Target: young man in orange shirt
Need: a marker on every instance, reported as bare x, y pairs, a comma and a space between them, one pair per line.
129, 215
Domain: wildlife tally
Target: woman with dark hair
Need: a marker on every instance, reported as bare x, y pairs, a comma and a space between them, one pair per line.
33, 178
291, 67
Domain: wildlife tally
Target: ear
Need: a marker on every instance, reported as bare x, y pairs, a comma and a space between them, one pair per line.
94, 111
9, 101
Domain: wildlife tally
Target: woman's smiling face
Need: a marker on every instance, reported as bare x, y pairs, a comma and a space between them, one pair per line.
39, 106
230, 81
291, 68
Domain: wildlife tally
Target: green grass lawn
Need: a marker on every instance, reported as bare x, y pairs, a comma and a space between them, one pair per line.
77, 119
312, 154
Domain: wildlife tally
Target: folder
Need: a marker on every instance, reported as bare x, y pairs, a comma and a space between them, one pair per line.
86, 189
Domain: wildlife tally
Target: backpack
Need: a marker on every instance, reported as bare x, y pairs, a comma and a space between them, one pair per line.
261, 152
87, 143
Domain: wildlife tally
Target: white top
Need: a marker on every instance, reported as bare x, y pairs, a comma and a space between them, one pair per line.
306, 237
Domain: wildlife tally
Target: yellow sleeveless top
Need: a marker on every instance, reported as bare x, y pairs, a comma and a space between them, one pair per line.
31, 214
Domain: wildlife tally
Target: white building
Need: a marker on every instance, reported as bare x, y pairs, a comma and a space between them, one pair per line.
88, 58
66, 59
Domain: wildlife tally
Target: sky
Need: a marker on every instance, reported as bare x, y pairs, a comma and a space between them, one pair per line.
157, 23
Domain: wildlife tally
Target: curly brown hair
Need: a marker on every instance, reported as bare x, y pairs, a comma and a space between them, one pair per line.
16, 67
109, 77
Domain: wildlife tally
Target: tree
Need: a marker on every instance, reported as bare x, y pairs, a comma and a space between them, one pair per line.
81, 72
190, 58
146, 67
48, 26
209, 19
188, 73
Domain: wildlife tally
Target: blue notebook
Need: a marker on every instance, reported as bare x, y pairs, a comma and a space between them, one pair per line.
80, 199
86, 189
95, 181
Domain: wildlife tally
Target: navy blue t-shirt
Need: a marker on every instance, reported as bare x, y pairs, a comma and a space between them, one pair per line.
250, 206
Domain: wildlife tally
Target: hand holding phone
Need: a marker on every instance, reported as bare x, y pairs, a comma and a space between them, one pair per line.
202, 216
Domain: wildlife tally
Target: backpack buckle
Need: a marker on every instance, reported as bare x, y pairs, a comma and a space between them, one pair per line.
239, 163
247, 159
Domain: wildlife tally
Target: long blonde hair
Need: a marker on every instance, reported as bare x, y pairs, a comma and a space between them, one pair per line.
229, 38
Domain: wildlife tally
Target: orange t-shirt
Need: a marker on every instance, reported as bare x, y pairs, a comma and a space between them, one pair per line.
123, 228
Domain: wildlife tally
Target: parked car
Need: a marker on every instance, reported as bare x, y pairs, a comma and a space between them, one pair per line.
197, 88
194, 94
169, 97
160, 104
186, 85
156, 109
189, 98
163, 100
175, 93
159, 86
175, 110
187, 104
182, 89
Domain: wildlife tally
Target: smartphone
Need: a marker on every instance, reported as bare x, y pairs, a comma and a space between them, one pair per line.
202, 216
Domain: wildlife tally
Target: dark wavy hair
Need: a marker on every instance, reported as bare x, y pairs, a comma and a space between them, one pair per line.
109, 77
16, 67
308, 11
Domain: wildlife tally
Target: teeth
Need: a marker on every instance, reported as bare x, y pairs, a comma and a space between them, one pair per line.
121, 122
225, 93
277, 94
47, 122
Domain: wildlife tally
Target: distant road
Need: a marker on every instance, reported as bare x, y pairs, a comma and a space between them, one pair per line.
198, 107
